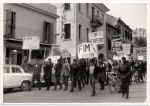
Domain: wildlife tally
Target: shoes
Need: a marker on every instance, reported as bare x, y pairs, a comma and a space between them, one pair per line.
119, 91
102, 88
71, 90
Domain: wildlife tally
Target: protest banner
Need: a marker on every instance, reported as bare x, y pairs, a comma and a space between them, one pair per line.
87, 50
126, 48
96, 37
116, 44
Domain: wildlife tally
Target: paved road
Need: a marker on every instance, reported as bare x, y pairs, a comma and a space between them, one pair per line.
137, 95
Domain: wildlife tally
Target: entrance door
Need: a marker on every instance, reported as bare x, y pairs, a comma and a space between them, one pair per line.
19, 58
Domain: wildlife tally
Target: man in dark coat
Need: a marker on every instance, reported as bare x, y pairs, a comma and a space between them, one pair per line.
58, 68
102, 73
124, 71
36, 74
48, 73
75, 75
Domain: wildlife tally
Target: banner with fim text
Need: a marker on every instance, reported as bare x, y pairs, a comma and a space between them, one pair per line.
87, 50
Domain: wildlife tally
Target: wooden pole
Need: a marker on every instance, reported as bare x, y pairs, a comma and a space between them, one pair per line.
30, 51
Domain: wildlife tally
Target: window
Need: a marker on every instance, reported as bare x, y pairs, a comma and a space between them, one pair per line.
87, 9
109, 44
67, 30
48, 32
87, 30
79, 7
6, 70
80, 31
16, 70
67, 6
10, 23
98, 13
93, 12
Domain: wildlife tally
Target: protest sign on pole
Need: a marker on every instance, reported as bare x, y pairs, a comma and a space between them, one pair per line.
31, 43
65, 53
126, 48
96, 37
116, 44
140, 57
87, 50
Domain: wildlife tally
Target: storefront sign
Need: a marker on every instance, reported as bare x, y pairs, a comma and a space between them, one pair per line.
96, 37
116, 44
31, 42
126, 48
87, 50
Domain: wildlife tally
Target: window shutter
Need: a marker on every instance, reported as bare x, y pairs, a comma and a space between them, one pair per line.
8, 23
13, 24
44, 31
51, 33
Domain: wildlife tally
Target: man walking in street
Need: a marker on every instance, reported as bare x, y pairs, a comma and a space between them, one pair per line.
75, 75
36, 74
65, 73
124, 71
58, 68
48, 73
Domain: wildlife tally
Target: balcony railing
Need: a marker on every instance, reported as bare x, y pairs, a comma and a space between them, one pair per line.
96, 21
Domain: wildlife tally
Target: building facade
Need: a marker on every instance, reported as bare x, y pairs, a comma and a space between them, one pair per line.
115, 27
22, 20
76, 21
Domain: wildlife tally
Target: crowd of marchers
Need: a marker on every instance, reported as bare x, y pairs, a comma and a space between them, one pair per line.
84, 72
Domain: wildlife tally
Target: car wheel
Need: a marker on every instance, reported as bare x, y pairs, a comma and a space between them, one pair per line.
25, 86
9, 89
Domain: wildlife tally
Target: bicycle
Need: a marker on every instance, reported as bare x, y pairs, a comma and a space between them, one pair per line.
113, 82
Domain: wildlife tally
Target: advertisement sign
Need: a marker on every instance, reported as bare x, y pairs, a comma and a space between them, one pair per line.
116, 44
96, 37
31, 42
87, 50
126, 48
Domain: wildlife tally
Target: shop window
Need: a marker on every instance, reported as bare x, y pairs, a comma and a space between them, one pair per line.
7, 52
109, 44
37, 54
80, 31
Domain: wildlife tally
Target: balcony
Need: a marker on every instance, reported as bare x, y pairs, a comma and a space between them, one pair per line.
96, 21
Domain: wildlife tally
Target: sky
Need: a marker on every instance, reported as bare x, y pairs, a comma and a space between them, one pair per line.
133, 14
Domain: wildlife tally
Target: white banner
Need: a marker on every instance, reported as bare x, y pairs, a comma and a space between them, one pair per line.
87, 50
31, 42
96, 37
126, 48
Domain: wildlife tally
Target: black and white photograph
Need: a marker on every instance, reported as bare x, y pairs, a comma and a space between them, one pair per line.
75, 52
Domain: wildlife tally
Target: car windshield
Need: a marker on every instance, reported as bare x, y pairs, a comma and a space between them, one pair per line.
6, 70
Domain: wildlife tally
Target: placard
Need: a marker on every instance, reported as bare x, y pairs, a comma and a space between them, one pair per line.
126, 48
87, 50
116, 44
96, 37
31, 42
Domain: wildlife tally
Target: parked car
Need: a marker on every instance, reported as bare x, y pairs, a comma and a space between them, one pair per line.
16, 77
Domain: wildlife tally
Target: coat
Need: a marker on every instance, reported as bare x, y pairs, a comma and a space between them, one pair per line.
48, 71
65, 69
58, 68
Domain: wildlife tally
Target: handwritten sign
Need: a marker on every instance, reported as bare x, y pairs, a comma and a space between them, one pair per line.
87, 50
116, 44
31, 42
96, 37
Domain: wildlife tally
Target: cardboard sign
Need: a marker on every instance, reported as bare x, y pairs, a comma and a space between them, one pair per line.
126, 48
87, 50
31, 42
96, 37
116, 44
65, 53
140, 57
